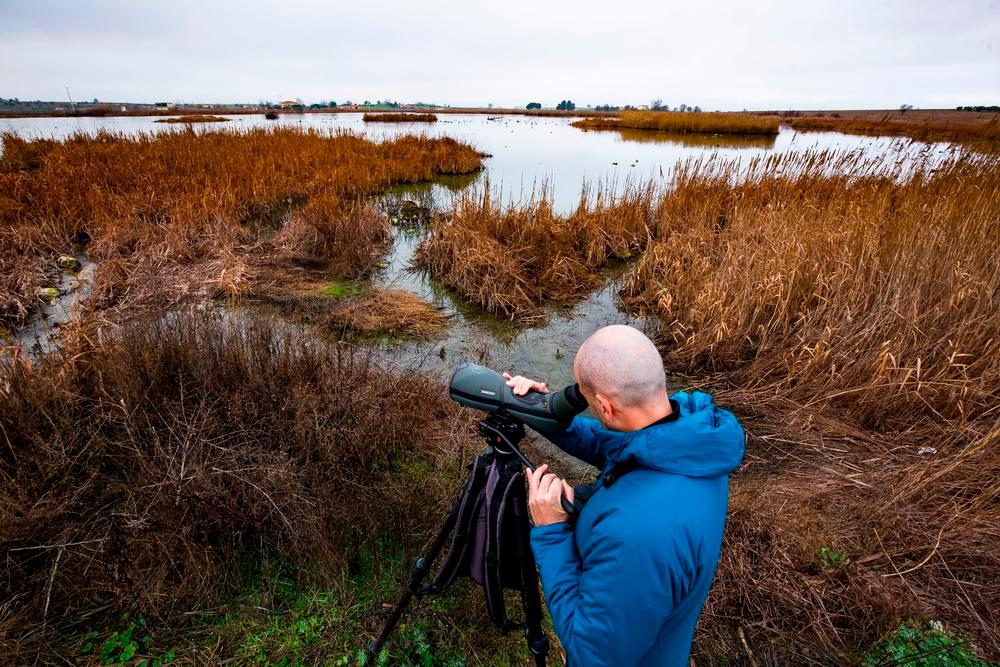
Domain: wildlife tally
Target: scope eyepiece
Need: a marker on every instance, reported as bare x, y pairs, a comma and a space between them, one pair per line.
478, 387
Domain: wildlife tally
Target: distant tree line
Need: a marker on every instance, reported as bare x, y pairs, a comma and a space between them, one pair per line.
566, 105
658, 105
533, 105
979, 108
655, 105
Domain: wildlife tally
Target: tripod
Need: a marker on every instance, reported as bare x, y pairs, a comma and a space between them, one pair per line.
502, 434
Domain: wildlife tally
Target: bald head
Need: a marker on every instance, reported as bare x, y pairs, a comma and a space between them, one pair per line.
621, 363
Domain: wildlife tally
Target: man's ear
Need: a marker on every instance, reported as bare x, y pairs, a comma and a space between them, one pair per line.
605, 406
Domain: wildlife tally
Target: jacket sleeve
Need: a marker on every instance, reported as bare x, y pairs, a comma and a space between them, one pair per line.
580, 440
611, 612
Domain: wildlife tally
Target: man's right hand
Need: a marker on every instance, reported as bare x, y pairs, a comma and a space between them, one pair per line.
521, 385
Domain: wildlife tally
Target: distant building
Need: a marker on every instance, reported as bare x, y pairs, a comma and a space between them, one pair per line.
164, 105
288, 104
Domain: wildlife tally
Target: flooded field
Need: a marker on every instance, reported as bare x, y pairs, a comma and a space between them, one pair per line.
527, 152
528, 155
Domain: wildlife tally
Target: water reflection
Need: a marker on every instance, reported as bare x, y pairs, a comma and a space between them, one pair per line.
696, 139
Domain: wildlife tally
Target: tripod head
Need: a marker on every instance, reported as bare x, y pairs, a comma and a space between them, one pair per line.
503, 433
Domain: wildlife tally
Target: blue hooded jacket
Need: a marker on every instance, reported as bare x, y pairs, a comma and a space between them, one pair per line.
626, 585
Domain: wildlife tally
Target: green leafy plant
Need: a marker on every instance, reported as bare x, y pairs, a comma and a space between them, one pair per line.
127, 646
914, 645
831, 558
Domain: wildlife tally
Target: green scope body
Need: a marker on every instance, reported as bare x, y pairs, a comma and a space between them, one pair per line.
484, 389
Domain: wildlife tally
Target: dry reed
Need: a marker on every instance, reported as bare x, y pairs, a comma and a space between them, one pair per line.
984, 135
388, 311
194, 118
351, 308
200, 212
136, 473
679, 122
828, 270
399, 118
509, 260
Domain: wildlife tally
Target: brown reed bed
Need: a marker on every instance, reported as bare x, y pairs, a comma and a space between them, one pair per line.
828, 271
679, 122
399, 118
138, 472
980, 134
511, 259
206, 213
194, 118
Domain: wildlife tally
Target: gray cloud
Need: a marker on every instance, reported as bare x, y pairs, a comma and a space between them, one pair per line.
726, 55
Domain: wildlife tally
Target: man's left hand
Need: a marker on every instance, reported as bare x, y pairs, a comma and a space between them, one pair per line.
545, 492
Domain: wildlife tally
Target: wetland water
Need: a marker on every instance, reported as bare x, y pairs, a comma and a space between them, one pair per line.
527, 154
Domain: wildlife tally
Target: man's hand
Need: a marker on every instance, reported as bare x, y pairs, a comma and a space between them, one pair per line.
545, 492
521, 385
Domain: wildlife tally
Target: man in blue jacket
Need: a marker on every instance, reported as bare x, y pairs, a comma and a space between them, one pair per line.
626, 583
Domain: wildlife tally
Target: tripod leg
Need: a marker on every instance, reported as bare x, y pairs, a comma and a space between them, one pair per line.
538, 641
421, 568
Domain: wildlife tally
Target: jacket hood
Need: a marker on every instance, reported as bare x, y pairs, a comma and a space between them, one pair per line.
705, 441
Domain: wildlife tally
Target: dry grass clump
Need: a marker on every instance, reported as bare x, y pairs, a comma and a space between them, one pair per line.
844, 282
392, 312
352, 307
192, 212
679, 122
839, 539
194, 118
399, 118
509, 260
984, 135
138, 472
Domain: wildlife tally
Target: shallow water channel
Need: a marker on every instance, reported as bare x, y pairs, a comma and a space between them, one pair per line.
527, 154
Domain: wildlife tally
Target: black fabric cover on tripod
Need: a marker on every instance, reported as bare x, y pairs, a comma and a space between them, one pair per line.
484, 544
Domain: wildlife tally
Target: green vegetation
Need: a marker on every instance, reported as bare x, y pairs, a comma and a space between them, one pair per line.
132, 645
831, 558
280, 623
340, 288
916, 646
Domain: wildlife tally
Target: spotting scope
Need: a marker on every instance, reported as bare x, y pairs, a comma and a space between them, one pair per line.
484, 389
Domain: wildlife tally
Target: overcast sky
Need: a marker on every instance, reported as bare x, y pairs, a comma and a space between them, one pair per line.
719, 54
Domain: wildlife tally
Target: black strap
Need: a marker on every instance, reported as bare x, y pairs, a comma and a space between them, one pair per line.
500, 571
619, 470
584, 492
465, 527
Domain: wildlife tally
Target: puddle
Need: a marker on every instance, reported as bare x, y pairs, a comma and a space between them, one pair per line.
41, 333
